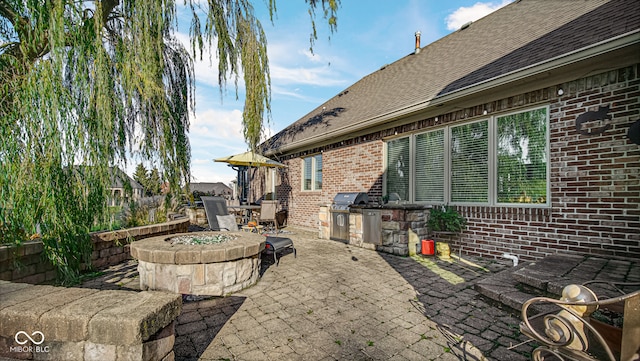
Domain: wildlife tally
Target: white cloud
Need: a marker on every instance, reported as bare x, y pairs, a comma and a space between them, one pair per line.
464, 15
212, 172
217, 124
214, 133
318, 76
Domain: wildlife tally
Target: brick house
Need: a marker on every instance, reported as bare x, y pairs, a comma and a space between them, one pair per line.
521, 120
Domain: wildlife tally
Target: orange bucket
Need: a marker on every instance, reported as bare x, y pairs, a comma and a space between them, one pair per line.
427, 247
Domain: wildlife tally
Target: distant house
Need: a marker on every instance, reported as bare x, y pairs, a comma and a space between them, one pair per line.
213, 189
520, 120
119, 182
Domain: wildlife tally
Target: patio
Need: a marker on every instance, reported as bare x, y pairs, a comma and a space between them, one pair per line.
338, 302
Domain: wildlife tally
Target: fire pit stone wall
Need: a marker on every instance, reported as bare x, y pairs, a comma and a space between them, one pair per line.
214, 269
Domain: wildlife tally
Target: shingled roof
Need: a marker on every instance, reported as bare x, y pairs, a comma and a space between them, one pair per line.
505, 46
217, 188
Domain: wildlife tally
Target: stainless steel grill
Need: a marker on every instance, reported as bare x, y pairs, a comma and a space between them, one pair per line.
340, 213
342, 201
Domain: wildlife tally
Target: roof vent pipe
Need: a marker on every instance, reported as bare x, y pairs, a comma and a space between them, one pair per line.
417, 42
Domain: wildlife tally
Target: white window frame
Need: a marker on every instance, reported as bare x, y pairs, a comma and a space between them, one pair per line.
314, 171
493, 166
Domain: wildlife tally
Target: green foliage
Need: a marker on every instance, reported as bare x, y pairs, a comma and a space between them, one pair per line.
445, 219
329, 12
94, 83
113, 222
151, 181
141, 175
154, 183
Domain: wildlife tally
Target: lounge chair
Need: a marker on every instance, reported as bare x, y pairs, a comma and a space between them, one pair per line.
213, 207
277, 244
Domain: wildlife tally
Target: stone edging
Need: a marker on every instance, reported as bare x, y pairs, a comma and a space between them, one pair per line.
158, 250
86, 324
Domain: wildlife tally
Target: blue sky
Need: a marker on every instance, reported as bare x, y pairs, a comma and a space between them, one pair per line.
370, 34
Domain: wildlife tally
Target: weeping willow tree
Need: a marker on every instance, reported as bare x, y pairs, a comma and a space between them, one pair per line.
86, 85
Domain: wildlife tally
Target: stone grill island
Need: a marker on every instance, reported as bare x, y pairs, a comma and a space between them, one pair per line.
218, 269
389, 228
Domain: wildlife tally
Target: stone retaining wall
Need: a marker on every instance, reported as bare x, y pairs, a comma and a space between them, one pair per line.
55, 323
197, 215
28, 264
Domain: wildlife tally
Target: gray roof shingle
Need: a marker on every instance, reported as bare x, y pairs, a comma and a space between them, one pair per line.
517, 36
214, 188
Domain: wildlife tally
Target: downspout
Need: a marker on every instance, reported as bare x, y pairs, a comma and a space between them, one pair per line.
512, 257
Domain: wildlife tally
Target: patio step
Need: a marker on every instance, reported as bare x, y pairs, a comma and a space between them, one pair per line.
548, 276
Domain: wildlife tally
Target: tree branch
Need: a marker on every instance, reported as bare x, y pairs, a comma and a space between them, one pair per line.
107, 8
7, 12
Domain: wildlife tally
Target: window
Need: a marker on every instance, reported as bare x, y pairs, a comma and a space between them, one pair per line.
522, 157
470, 163
495, 161
398, 169
430, 167
312, 173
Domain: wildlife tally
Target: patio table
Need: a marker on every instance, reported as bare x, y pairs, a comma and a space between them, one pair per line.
245, 210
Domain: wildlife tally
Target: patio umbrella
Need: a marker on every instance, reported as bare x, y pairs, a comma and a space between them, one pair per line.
249, 159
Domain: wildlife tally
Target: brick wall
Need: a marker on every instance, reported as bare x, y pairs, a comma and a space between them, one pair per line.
595, 179
351, 168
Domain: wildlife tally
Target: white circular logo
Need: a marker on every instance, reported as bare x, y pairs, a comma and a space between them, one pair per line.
29, 337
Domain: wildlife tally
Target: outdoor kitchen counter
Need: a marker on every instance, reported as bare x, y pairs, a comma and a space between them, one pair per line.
357, 208
387, 227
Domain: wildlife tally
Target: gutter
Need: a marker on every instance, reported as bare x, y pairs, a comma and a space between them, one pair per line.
594, 50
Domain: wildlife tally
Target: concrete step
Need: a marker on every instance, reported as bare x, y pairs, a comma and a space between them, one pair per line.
501, 287
547, 277
505, 289
548, 274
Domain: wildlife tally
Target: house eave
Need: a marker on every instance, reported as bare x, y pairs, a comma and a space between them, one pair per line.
606, 55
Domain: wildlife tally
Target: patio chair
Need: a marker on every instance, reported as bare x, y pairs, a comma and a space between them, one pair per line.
274, 244
268, 210
214, 207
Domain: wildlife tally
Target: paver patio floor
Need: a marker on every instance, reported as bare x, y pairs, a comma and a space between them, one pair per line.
338, 302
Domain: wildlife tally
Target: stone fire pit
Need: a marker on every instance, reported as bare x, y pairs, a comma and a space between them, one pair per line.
199, 269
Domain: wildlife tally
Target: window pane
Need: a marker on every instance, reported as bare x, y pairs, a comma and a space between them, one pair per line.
470, 162
318, 172
398, 168
306, 178
522, 157
430, 167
